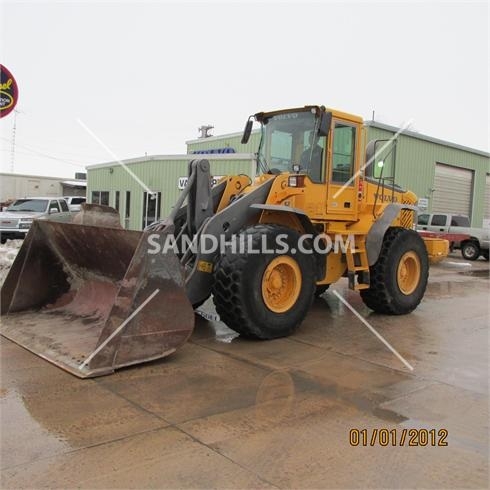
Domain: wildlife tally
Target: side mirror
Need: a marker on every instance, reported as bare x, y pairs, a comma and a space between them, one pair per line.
247, 131
52, 211
325, 123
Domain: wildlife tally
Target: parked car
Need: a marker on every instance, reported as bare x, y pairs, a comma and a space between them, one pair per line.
16, 220
477, 241
74, 202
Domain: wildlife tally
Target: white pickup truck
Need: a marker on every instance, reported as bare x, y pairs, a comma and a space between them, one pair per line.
476, 241
16, 220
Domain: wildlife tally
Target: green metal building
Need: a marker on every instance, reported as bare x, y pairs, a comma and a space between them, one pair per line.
446, 176
129, 186
449, 178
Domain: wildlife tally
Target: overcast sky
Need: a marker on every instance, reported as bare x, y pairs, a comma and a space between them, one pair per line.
143, 76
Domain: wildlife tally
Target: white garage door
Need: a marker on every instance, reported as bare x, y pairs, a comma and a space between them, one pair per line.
453, 190
486, 211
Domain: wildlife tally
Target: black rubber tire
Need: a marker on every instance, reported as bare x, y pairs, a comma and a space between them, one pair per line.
195, 306
485, 254
237, 290
470, 250
384, 295
321, 289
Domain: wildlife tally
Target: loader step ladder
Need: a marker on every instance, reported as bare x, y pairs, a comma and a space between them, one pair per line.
357, 265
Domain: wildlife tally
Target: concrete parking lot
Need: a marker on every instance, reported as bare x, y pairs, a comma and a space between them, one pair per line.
224, 412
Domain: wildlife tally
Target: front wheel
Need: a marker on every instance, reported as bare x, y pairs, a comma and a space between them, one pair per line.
470, 250
320, 290
399, 277
265, 294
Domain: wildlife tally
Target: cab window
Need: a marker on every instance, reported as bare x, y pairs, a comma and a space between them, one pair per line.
344, 144
64, 206
281, 150
423, 219
460, 221
439, 220
54, 205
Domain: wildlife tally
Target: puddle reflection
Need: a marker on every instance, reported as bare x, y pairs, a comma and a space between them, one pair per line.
24, 439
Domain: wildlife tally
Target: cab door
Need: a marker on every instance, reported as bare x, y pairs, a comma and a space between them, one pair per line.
342, 191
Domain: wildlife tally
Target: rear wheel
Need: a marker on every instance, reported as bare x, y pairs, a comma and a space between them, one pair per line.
265, 295
485, 254
470, 250
399, 277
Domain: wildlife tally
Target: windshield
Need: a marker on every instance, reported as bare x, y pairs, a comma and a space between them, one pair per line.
29, 205
292, 139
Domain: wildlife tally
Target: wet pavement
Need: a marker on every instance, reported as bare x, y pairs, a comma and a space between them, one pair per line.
224, 412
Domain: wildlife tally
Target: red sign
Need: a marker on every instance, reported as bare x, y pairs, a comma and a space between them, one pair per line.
9, 92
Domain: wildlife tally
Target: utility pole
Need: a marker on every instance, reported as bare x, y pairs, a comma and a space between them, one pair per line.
12, 151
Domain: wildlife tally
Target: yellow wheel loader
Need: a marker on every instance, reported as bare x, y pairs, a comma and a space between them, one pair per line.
92, 297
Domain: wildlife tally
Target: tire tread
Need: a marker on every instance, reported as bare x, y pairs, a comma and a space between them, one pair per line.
228, 288
378, 297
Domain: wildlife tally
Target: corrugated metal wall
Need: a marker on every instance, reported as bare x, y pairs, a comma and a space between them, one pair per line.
415, 170
160, 175
416, 161
416, 167
14, 186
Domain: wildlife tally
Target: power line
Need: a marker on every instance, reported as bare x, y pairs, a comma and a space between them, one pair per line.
29, 153
70, 161
78, 165
75, 151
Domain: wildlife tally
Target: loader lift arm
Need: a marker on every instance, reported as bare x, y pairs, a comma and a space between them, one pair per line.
200, 219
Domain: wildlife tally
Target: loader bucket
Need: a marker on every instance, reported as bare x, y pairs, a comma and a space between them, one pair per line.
91, 299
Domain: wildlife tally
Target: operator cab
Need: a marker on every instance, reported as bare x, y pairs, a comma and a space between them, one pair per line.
294, 141
322, 144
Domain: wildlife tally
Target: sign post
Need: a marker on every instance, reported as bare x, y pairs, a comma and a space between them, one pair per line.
423, 203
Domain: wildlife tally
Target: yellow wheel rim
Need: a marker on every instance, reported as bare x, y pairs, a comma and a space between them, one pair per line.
281, 284
408, 273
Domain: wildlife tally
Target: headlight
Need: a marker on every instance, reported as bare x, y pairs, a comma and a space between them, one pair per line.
23, 225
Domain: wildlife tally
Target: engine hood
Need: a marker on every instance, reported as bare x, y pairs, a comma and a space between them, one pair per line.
18, 215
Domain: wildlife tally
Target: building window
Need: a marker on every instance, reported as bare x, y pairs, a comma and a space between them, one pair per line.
151, 207
100, 197
116, 201
127, 209
127, 212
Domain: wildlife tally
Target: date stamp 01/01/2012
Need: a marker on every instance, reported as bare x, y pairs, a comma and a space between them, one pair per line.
398, 437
